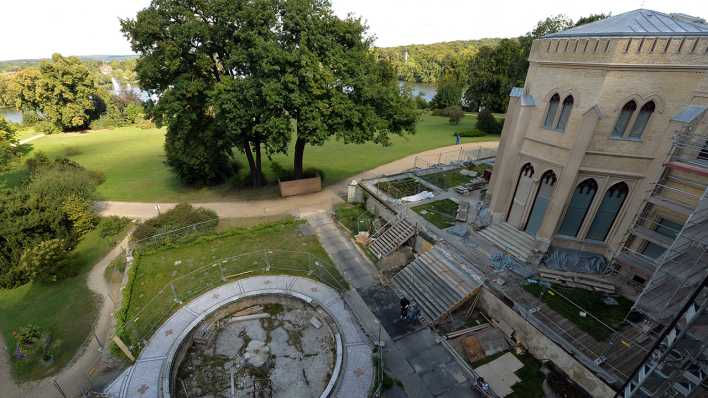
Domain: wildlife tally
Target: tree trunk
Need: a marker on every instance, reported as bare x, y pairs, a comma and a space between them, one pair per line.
299, 153
259, 164
255, 172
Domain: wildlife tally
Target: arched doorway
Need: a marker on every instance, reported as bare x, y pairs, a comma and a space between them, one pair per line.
540, 203
608, 211
521, 196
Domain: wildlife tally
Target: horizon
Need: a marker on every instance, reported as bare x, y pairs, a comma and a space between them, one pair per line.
392, 24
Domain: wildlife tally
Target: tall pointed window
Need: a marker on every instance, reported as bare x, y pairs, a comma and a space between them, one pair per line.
623, 119
521, 196
565, 113
642, 120
540, 203
552, 110
578, 208
608, 211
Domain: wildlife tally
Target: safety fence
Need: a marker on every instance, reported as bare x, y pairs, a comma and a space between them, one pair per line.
141, 317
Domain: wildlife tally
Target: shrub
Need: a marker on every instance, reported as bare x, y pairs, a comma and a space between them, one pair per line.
181, 216
111, 226
470, 133
488, 123
455, 113
45, 262
421, 102
47, 127
37, 162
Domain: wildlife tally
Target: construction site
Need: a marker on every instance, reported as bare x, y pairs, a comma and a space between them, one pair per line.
577, 310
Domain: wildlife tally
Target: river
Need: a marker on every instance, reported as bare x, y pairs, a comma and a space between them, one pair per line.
426, 90
11, 115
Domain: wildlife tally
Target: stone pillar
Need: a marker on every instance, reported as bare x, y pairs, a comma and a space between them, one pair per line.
507, 165
567, 179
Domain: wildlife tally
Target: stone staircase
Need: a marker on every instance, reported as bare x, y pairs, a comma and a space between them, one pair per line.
392, 237
437, 282
517, 243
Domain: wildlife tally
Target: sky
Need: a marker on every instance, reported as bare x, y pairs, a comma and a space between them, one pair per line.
38, 28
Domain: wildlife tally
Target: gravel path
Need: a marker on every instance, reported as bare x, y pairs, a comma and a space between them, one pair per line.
297, 205
75, 376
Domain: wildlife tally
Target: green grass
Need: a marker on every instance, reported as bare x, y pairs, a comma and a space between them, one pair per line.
149, 299
440, 213
67, 309
132, 160
447, 179
354, 217
531, 384
612, 315
401, 188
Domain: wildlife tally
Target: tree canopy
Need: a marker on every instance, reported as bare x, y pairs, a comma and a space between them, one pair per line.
43, 219
493, 71
63, 90
239, 73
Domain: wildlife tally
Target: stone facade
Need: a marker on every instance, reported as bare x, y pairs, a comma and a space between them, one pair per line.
602, 75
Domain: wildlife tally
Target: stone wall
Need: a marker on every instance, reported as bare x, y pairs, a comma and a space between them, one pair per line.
541, 346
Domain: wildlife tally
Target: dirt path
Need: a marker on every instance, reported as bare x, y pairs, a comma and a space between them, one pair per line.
73, 378
297, 205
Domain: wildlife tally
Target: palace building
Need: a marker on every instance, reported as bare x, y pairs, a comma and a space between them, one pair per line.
605, 151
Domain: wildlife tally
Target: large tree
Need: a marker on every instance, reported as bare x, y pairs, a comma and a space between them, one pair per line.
63, 90
235, 73
209, 63
493, 72
334, 84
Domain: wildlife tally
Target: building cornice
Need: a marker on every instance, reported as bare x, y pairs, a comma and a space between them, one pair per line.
619, 155
621, 66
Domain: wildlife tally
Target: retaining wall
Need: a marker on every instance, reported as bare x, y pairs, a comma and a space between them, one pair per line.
541, 346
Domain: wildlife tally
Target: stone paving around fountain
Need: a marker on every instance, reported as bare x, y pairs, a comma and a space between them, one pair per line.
149, 377
288, 351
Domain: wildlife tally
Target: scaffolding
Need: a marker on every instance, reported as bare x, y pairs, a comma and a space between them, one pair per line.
674, 302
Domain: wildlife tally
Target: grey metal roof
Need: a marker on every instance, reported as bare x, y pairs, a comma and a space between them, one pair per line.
689, 113
639, 23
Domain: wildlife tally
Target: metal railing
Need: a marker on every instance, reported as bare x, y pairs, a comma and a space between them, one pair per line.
454, 156
175, 234
137, 324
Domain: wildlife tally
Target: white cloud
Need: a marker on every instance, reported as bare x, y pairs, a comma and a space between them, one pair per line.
38, 28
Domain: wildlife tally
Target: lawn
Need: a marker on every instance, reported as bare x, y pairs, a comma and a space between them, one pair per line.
132, 160
197, 265
401, 188
447, 179
531, 384
67, 309
440, 213
612, 315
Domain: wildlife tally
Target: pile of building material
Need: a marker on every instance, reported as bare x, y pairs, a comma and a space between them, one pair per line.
576, 279
475, 185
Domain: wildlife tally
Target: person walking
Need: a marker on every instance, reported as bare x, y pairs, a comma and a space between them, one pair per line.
404, 307
458, 140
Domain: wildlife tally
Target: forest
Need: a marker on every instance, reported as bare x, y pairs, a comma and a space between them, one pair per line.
426, 63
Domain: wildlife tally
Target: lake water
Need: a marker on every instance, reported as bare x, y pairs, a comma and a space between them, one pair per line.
426, 90
11, 115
